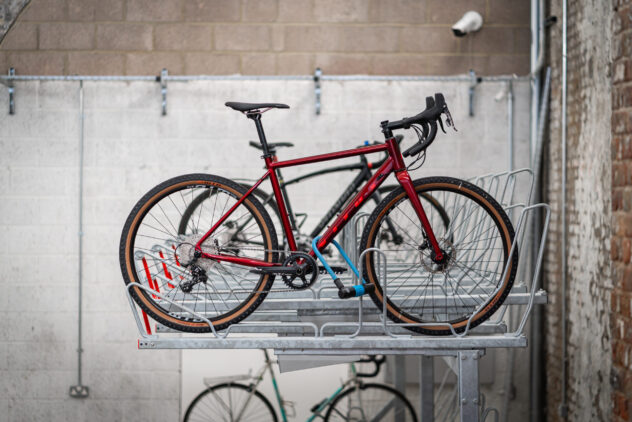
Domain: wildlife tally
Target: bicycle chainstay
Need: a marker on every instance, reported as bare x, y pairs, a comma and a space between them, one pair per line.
321, 270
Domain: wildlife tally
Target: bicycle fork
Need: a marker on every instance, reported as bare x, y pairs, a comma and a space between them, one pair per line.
406, 183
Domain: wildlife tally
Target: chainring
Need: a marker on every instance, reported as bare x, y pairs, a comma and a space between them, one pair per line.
306, 271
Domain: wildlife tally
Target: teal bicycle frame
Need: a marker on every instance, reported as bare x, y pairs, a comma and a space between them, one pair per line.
316, 412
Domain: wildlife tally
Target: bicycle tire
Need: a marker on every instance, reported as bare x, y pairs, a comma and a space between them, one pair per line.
140, 246
202, 407
489, 215
375, 394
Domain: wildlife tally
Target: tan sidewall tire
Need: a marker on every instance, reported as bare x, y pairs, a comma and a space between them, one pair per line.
144, 300
482, 198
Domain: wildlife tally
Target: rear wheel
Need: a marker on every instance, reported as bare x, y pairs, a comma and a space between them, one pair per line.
155, 252
471, 280
230, 402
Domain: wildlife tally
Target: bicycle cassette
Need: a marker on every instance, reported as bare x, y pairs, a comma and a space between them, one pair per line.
305, 271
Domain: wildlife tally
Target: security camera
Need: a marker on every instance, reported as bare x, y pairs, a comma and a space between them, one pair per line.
470, 22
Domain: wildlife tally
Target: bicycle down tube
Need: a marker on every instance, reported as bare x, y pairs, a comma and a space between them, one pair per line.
394, 163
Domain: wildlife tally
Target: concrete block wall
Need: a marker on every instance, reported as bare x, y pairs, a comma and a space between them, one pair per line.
589, 217
410, 37
129, 148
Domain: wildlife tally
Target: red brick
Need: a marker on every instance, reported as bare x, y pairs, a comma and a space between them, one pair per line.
626, 280
621, 96
625, 250
259, 10
154, 10
626, 203
617, 199
622, 71
622, 19
615, 248
211, 10
621, 406
621, 121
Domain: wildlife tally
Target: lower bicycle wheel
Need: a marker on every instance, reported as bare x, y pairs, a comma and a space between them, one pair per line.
231, 403
155, 254
371, 402
474, 277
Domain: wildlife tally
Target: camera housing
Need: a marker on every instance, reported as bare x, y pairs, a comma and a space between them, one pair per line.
470, 22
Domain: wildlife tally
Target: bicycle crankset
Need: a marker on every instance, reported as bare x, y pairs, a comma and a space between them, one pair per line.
305, 271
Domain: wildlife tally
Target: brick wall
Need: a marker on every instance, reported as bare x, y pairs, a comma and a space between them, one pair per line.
588, 216
265, 37
620, 316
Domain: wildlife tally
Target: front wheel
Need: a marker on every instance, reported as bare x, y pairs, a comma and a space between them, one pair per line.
371, 402
472, 280
230, 402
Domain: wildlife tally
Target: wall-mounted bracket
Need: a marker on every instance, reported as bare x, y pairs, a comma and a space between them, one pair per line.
163, 89
317, 75
474, 80
79, 391
11, 89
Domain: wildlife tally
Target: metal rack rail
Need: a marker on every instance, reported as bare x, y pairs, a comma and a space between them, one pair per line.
314, 323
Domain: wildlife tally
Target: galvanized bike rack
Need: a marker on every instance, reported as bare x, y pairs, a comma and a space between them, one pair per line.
314, 322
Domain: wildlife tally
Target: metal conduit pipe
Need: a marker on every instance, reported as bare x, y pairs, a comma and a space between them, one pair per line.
563, 406
171, 78
79, 390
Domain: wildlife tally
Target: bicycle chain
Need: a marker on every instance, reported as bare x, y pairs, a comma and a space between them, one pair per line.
321, 271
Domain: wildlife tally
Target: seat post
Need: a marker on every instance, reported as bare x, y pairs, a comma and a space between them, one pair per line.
256, 117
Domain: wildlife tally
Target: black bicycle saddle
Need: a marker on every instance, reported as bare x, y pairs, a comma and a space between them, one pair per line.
253, 106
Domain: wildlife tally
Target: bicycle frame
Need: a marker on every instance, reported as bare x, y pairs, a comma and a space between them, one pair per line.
393, 164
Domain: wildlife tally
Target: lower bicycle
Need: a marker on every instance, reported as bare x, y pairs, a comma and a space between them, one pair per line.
443, 278
237, 399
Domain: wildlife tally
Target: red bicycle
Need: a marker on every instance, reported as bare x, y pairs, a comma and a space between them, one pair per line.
225, 262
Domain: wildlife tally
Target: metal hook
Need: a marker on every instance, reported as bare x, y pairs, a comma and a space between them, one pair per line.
163, 89
11, 91
474, 80
317, 74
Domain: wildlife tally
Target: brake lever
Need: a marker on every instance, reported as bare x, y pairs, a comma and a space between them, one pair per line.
448, 119
440, 120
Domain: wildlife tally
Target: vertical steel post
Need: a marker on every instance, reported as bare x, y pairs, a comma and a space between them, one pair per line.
468, 385
426, 388
400, 385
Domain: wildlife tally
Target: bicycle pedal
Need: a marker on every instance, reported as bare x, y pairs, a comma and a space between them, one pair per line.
335, 269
